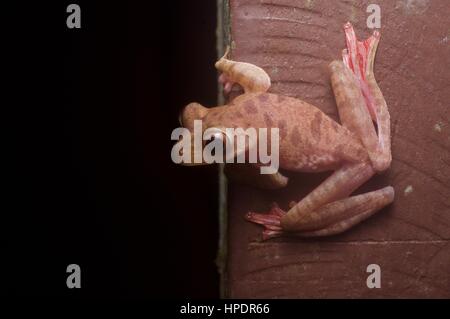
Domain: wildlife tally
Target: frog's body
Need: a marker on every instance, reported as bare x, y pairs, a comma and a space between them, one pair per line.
310, 141
315, 143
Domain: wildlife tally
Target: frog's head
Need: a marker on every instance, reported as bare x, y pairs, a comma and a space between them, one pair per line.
190, 113
194, 135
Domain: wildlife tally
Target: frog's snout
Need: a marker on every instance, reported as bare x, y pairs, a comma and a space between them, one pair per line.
190, 113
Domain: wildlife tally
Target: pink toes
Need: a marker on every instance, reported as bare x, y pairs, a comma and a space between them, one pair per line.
269, 221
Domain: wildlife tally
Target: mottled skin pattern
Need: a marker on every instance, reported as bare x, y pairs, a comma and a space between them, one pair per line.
310, 141
316, 143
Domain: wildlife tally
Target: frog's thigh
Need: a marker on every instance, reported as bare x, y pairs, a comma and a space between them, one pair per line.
251, 175
341, 215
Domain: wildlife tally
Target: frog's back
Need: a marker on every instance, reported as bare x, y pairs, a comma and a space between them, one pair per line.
310, 140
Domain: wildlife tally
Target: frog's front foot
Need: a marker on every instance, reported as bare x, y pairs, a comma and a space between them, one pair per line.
271, 221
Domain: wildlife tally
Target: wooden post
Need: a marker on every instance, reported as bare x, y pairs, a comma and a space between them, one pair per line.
294, 41
223, 39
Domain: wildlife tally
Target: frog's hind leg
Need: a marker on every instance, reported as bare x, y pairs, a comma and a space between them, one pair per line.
337, 186
327, 210
359, 99
330, 219
252, 78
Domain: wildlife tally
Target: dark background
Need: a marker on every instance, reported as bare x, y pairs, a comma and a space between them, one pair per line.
89, 115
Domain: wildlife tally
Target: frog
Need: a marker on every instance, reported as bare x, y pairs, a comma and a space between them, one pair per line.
352, 150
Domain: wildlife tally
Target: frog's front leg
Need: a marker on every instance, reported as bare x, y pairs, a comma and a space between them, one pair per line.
251, 77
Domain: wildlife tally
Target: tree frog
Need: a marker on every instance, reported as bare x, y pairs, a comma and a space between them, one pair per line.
310, 141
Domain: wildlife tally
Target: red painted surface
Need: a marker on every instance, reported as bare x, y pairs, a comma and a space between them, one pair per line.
294, 41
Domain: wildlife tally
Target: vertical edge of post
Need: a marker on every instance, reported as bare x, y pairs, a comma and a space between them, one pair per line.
222, 40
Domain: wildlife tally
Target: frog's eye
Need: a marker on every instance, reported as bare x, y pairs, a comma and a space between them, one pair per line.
213, 135
214, 150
